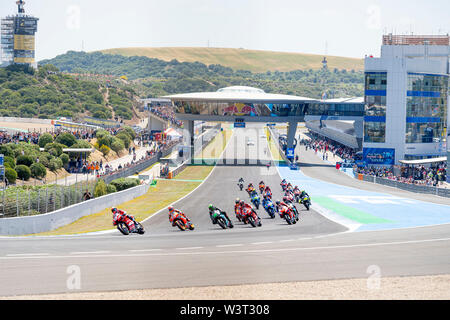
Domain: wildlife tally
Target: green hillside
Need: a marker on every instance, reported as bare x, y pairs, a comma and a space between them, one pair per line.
47, 93
241, 59
151, 77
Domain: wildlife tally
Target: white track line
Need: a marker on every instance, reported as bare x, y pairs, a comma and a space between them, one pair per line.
229, 245
206, 179
27, 254
274, 250
91, 252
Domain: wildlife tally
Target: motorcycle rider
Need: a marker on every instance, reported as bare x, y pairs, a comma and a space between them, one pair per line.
288, 197
283, 184
250, 188
122, 216
246, 211
212, 209
241, 181
268, 192
262, 185
289, 187
265, 200
304, 194
173, 214
283, 208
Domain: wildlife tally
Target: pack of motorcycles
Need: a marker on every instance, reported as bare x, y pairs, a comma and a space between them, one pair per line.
291, 214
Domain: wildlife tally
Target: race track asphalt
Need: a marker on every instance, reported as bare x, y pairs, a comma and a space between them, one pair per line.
314, 249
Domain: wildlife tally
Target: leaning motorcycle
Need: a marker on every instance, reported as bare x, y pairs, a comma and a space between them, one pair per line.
241, 185
256, 200
123, 227
221, 220
253, 219
288, 215
269, 207
306, 201
183, 224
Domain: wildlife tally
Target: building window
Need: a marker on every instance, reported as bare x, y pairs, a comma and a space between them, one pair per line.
375, 97
426, 108
375, 132
423, 132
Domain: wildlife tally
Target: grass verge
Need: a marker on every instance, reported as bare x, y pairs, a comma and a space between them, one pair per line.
273, 147
164, 193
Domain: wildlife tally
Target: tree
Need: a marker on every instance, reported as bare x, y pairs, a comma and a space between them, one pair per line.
117, 145
126, 139
11, 175
105, 150
38, 170
44, 139
66, 139
23, 172
24, 160
100, 189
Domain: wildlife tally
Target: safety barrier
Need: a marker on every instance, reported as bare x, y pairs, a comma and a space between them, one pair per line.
442, 192
54, 220
140, 166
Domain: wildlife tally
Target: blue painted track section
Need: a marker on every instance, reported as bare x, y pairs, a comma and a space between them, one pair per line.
396, 211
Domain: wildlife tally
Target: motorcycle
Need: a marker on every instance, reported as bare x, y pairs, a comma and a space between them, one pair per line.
253, 219
269, 207
261, 188
221, 220
241, 185
238, 215
294, 211
256, 200
182, 223
297, 196
289, 216
123, 227
283, 186
289, 197
306, 201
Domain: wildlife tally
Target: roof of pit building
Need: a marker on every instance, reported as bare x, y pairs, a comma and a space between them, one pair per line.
239, 93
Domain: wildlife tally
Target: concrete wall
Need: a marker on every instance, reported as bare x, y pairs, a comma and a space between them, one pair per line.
62, 217
27, 120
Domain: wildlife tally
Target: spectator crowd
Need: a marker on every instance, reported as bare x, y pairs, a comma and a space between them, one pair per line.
167, 113
434, 175
323, 145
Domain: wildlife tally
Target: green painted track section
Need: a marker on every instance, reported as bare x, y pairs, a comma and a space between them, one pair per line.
348, 212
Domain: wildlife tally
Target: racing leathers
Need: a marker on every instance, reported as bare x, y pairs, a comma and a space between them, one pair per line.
122, 216
211, 213
178, 214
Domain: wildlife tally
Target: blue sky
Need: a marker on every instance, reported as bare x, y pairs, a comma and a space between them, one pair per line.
351, 28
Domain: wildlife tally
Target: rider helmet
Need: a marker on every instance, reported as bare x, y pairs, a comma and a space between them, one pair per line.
113, 210
170, 209
237, 200
211, 207
242, 202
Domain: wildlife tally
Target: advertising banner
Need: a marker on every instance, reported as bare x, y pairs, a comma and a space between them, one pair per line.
379, 156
